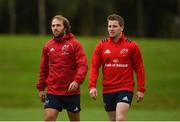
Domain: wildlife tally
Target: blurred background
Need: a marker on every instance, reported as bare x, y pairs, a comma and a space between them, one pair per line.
25, 27
147, 18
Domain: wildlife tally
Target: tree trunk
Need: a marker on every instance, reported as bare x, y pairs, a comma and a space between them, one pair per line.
42, 17
12, 16
140, 23
87, 21
178, 19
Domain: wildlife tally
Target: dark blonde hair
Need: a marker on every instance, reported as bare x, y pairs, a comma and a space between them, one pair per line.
66, 22
117, 18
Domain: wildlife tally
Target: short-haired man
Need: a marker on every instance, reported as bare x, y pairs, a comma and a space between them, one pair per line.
118, 56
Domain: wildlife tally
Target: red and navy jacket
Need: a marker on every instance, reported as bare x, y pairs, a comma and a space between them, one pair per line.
63, 61
118, 61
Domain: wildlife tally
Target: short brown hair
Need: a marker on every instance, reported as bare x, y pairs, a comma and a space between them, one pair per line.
66, 22
117, 18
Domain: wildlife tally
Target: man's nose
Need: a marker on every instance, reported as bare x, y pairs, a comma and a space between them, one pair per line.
111, 28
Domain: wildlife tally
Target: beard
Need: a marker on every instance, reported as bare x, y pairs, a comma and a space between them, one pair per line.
59, 35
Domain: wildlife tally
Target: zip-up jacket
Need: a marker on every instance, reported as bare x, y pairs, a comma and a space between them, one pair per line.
118, 61
63, 61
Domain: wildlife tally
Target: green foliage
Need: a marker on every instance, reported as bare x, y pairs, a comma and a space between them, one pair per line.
19, 71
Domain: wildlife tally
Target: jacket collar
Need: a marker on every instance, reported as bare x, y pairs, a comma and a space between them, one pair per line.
63, 38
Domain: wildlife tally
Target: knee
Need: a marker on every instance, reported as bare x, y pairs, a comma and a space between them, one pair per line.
74, 119
112, 118
120, 118
74, 116
50, 117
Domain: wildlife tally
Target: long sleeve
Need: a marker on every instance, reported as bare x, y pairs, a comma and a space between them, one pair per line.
43, 71
96, 62
81, 63
137, 62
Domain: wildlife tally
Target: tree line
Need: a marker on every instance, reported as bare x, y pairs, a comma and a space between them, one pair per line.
143, 18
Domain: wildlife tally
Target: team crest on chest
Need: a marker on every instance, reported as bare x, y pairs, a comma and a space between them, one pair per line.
64, 50
124, 52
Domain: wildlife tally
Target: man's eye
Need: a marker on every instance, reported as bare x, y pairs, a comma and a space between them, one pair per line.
58, 25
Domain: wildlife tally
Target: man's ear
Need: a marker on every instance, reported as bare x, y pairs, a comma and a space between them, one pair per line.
65, 30
122, 28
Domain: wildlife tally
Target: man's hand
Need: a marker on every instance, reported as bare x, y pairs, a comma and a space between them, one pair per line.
139, 96
93, 93
42, 95
73, 86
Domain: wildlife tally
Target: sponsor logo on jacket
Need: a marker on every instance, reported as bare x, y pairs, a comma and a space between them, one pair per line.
116, 65
107, 51
52, 49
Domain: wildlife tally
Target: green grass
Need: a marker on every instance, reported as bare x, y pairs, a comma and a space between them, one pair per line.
19, 71
91, 114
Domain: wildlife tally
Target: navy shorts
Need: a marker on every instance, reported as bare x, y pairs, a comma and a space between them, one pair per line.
111, 99
70, 102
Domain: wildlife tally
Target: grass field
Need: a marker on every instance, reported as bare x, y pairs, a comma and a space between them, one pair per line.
91, 114
19, 71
